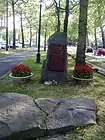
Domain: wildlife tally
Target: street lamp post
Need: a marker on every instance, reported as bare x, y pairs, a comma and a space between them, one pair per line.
39, 32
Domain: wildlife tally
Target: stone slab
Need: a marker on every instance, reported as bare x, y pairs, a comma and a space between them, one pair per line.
54, 138
68, 114
22, 117
19, 117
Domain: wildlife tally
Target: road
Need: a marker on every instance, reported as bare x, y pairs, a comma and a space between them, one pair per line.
7, 62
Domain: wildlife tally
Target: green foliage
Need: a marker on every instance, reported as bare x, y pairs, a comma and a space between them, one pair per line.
30, 12
96, 13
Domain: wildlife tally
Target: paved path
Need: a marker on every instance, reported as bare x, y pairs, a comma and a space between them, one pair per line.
6, 62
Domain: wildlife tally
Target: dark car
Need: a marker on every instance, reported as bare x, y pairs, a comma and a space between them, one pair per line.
89, 49
11, 45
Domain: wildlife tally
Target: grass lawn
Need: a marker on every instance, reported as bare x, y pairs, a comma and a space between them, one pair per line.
95, 90
3, 52
19, 49
96, 62
99, 62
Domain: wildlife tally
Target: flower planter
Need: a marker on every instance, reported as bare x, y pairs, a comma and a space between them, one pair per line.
20, 79
81, 80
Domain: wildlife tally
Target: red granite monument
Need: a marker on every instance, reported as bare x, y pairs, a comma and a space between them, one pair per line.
55, 65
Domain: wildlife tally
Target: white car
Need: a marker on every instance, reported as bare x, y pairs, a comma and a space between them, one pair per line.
2, 45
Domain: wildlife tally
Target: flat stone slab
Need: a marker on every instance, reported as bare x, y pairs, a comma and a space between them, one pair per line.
59, 137
64, 115
22, 117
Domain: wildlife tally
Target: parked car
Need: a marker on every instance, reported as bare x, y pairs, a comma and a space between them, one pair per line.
2, 45
89, 49
100, 51
26, 44
11, 45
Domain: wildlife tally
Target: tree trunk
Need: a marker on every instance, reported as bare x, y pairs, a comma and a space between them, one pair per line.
66, 16
58, 16
36, 39
87, 39
103, 36
45, 39
30, 36
95, 37
14, 31
82, 32
1, 19
22, 32
4, 19
7, 25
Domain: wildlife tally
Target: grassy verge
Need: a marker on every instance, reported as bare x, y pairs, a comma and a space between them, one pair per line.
3, 52
95, 90
99, 62
19, 49
96, 62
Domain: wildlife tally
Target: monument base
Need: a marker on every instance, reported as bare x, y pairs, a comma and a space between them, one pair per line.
60, 77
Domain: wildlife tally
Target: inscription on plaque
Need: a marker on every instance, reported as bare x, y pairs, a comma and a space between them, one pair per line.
56, 60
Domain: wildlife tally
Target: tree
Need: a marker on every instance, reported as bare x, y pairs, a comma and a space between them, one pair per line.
57, 6
30, 16
66, 16
103, 36
96, 18
82, 32
95, 37
13, 3
22, 32
6, 25
14, 31
58, 20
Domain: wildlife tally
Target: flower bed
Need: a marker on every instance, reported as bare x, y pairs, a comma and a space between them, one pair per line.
20, 70
83, 74
20, 73
83, 71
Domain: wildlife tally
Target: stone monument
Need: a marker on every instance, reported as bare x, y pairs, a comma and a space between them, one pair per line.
55, 65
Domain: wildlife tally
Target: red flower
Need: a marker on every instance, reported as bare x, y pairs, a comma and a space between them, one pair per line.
84, 68
84, 71
20, 70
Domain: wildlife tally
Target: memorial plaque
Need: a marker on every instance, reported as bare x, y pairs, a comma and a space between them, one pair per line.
56, 61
